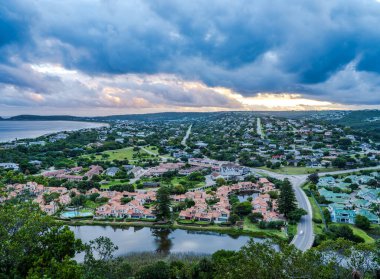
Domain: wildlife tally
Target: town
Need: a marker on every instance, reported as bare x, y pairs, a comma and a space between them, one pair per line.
219, 171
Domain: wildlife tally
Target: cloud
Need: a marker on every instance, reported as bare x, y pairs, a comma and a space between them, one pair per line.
150, 53
134, 93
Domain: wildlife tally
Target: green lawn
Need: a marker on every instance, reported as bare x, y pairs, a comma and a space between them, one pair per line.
316, 212
111, 183
152, 149
122, 154
317, 227
250, 227
183, 180
298, 170
292, 229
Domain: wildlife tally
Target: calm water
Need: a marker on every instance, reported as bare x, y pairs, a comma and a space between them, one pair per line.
11, 130
244, 197
161, 240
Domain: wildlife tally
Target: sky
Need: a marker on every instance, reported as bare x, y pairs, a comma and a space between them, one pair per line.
103, 57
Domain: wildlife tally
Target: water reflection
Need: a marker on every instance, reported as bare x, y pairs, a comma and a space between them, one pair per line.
244, 196
162, 239
138, 239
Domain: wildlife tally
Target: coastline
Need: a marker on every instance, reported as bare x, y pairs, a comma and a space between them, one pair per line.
100, 125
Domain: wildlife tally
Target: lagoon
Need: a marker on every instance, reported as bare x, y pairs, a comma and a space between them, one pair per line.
143, 239
11, 130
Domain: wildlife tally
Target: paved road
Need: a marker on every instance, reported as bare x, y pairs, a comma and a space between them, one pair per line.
183, 142
259, 128
305, 235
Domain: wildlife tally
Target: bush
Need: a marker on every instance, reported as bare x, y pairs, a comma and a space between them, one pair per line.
125, 200
121, 188
277, 225
243, 208
345, 232
297, 214
362, 222
234, 218
255, 217
158, 270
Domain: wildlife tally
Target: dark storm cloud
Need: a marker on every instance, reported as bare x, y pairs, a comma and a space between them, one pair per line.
249, 46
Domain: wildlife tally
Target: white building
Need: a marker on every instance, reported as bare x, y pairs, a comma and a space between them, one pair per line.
10, 166
229, 171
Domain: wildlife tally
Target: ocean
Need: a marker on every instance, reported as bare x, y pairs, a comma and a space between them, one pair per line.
11, 130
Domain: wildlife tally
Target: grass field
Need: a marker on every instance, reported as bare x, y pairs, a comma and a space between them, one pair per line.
184, 179
152, 149
122, 154
298, 170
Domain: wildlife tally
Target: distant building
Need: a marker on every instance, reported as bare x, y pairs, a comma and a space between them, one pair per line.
112, 171
231, 171
35, 162
9, 166
41, 142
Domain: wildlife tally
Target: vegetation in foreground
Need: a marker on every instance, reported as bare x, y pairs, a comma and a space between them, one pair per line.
34, 246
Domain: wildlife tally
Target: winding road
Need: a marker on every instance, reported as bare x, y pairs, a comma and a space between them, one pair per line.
305, 235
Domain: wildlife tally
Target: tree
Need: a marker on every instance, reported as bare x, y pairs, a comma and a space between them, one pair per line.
263, 260
255, 217
326, 215
158, 270
220, 181
93, 196
196, 176
178, 189
314, 178
273, 194
297, 214
287, 199
78, 200
362, 222
98, 260
33, 242
189, 203
339, 162
345, 232
125, 200
234, 218
163, 203
243, 208
344, 143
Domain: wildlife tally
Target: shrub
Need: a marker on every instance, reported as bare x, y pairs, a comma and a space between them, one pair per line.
362, 222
